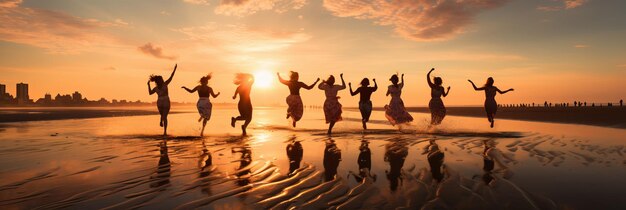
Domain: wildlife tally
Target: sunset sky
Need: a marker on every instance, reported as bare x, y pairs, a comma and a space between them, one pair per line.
555, 50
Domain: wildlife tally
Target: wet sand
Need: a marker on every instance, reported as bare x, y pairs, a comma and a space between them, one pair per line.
120, 163
599, 116
40, 114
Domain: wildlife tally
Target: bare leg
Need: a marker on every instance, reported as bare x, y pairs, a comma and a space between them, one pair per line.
364, 125
245, 125
232, 121
203, 126
165, 126
294, 123
330, 127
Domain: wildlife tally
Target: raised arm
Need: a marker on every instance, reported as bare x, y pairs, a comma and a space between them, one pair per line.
150, 90
281, 79
353, 93
375, 85
445, 93
401, 81
503, 92
343, 83
171, 76
190, 90
310, 86
430, 83
213, 93
473, 85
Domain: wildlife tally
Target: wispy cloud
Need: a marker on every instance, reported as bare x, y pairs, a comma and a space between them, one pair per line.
563, 5
581, 46
154, 51
54, 31
415, 20
198, 2
242, 38
248, 7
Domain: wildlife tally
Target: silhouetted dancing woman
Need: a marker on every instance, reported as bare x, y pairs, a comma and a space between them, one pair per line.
332, 107
490, 101
245, 82
163, 102
294, 101
396, 112
204, 104
437, 109
365, 104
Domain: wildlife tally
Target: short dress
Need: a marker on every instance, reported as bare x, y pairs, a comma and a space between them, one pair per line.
395, 111
332, 107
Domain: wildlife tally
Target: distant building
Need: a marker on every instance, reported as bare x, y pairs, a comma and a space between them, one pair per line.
22, 93
77, 97
3, 90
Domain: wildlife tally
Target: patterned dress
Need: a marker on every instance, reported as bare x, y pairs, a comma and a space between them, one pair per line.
332, 107
395, 111
204, 107
296, 109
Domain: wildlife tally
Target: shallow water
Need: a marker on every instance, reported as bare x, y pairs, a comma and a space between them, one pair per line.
123, 163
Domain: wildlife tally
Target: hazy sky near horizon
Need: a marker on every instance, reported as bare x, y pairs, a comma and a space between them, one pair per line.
555, 50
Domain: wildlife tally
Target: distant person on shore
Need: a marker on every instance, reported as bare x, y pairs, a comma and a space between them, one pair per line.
621, 102
294, 101
437, 109
245, 82
163, 102
491, 106
365, 104
332, 107
395, 111
204, 104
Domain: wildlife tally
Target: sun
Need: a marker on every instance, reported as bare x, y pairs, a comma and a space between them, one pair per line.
263, 79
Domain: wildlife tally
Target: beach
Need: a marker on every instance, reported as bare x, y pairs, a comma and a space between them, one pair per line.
122, 162
600, 116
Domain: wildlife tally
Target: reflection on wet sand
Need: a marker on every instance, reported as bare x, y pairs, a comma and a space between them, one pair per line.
444, 169
395, 154
364, 162
332, 157
294, 154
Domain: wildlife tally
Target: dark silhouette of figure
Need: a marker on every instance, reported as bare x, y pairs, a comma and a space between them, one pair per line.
575, 103
244, 160
294, 154
332, 157
621, 102
204, 104
585, 103
332, 107
435, 160
395, 111
545, 104
162, 176
437, 109
245, 82
491, 106
395, 154
365, 104
365, 163
163, 102
294, 101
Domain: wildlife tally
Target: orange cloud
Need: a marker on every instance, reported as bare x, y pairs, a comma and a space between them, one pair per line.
581, 46
241, 38
415, 20
565, 4
197, 2
154, 51
248, 7
54, 31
